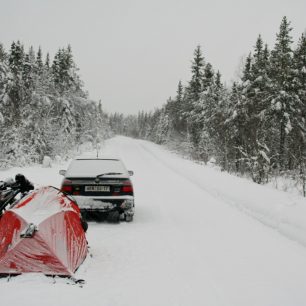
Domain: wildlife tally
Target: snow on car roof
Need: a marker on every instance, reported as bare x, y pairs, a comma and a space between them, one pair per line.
89, 167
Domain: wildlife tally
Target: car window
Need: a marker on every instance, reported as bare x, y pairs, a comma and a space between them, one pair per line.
94, 167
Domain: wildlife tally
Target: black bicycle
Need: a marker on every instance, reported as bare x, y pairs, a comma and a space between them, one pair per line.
10, 189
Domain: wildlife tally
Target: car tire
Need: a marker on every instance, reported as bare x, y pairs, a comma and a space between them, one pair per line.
129, 218
113, 217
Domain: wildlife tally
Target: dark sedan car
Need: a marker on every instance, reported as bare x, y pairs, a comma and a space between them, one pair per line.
101, 187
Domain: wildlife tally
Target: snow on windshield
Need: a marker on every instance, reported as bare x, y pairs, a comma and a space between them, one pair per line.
94, 167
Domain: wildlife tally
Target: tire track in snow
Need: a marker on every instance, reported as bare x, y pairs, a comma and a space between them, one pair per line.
277, 215
151, 159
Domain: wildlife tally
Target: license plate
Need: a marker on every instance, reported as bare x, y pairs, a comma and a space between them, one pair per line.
97, 188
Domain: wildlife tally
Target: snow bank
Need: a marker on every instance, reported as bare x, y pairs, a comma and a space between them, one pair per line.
280, 210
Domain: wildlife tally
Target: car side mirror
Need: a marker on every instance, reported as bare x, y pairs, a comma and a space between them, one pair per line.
62, 172
131, 173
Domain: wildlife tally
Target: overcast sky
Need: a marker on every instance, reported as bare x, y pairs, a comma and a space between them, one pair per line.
132, 53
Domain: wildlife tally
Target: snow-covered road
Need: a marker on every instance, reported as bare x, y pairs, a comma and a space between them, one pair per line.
188, 244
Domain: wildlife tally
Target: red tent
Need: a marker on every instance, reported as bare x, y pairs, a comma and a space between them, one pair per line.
42, 233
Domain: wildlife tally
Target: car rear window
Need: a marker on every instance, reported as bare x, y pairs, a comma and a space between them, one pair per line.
94, 167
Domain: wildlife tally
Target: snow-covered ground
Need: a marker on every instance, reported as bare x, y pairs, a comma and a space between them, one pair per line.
188, 244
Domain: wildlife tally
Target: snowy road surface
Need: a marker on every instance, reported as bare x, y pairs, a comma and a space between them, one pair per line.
187, 244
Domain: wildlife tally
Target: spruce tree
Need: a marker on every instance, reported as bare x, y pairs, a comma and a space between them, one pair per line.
3, 55
47, 61
195, 85
298, 143
208, 76
4, 79
179, 122
39, 62
194, 91
283, 101
16, 87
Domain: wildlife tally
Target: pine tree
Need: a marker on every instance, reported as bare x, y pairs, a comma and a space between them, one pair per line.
208, 76
204, 110
249, 114
47, 61
16, 58
162, 127
235, 123
16, 87
4, 79
195, 85
246, 76
39, 62
220, 135
179, 121
298, 143
194, 91
28, 75
283, 101
3, 55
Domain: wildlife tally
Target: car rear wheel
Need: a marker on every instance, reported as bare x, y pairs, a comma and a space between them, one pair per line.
129, 218
113, 216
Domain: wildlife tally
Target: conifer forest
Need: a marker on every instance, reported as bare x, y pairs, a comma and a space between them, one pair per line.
254, 127
44, 110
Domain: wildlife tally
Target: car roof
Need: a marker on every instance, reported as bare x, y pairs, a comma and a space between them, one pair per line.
91, 167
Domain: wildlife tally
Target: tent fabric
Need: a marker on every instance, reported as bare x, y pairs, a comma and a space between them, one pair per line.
58, 245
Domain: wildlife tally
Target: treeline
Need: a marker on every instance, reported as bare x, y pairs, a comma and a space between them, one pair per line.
257, 127
43, 107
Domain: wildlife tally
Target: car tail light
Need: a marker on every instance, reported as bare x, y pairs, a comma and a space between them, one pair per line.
66, 186
127, 187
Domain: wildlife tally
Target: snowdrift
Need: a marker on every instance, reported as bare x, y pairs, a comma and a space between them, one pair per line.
42, 233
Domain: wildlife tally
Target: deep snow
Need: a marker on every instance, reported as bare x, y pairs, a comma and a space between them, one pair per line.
188, 244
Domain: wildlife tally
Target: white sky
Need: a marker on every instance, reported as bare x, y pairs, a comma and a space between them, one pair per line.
132, 53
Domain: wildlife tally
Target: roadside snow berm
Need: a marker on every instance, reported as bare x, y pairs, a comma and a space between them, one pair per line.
42, 233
